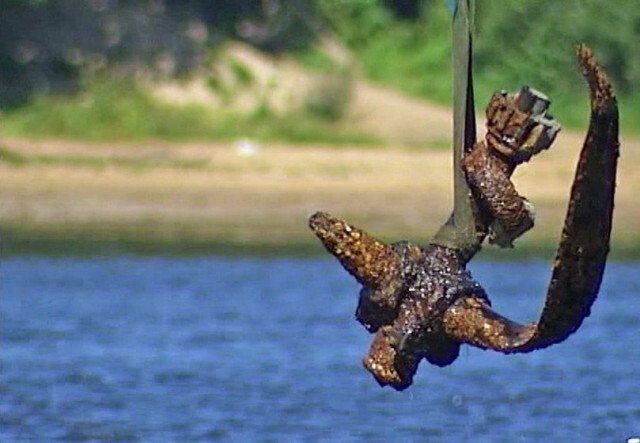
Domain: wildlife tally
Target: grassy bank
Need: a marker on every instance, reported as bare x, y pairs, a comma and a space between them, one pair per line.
92, 241
118, 110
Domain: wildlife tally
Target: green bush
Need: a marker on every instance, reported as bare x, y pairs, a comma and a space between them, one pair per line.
516, 42
330, 96
116, 109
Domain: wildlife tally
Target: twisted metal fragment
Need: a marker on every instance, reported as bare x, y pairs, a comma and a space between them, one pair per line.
518, 127
405, 302
422, 303
368, 260
584, 244
373, 263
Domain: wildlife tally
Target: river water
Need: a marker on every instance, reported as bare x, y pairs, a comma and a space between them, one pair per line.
247, 349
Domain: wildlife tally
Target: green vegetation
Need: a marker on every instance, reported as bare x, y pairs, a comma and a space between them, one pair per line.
516, 42
12, 157
329, 99
405, 45
413, 55
331, 94
147, 238
16, 158
314, 59
138, 239
89, 98
116, 109
241, 73
109, 109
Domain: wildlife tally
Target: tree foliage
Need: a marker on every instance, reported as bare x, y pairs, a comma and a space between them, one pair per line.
535, 39
516, 42
49, 45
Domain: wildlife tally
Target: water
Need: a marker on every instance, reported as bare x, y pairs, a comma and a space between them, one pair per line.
240, 349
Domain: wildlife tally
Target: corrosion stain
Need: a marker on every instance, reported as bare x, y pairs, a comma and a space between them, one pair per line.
421, 303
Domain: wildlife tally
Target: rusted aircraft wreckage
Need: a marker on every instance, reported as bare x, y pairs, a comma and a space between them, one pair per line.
422, 302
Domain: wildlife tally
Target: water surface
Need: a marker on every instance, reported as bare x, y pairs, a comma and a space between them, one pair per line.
241, 349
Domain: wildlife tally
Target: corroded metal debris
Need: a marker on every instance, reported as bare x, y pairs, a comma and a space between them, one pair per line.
518, 127
405, 306
584, 243
422, 303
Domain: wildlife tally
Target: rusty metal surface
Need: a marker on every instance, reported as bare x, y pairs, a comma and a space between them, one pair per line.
584, 245
489, 176
518, 127
421, 302
404, 304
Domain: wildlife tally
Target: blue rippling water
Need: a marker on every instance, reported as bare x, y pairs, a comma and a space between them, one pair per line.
241, 349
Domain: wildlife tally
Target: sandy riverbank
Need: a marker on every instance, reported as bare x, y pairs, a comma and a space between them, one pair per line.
218, 196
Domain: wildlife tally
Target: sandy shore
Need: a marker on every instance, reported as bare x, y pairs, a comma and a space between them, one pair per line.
223, 194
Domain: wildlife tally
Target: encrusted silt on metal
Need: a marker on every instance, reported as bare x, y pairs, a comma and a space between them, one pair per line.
422, 303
